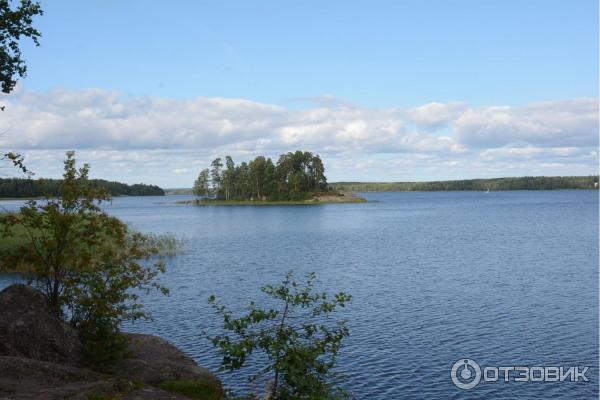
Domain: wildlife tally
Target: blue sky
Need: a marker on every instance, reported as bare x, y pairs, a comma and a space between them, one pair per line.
373, 53
363, 70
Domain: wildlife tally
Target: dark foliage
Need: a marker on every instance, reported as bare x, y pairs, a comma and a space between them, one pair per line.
15, 24
522, 183
295, 177
20, 187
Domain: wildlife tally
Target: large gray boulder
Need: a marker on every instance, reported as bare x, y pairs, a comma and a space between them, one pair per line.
29, 329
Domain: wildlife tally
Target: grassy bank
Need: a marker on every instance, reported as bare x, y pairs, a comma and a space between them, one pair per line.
9, 244
324, 199
167, 245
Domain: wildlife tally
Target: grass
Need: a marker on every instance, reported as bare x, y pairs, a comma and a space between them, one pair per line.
10, 244
193, 389
168, 245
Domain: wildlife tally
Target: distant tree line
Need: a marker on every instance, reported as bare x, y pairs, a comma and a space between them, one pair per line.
20, 187
522, 183
295, 176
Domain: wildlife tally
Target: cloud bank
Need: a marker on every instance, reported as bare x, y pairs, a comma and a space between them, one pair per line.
166, 141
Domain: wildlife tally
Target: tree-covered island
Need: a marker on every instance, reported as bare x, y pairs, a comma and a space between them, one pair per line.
296, 178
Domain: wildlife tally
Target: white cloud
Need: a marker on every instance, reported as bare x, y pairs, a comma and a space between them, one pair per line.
180, 171
549, 124
434, 116
166, 141
97, 119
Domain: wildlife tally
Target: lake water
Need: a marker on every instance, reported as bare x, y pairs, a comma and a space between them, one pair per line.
505, 278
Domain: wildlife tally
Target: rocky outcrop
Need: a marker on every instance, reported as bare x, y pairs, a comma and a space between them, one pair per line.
153, 360
26, 378
29, 329
40, 358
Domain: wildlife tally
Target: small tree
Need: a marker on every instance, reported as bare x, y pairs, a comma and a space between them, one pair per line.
201, 184
89, 265
300, 343
216, 176
228, 176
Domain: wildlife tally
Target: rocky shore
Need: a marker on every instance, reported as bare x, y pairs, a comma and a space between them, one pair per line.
41, 358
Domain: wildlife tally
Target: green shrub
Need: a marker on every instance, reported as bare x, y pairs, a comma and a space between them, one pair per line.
299, 340
103, 344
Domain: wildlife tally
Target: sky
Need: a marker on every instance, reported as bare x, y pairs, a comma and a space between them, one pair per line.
382, 90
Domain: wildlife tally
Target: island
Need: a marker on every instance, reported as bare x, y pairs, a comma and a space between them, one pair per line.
298, 178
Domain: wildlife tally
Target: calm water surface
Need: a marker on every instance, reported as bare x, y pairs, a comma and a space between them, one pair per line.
506, 278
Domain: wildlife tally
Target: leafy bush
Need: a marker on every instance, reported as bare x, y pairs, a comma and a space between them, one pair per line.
300, 343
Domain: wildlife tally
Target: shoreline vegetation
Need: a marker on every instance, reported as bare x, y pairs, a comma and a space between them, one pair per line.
166, 245
317, 199
491, 184
23, 188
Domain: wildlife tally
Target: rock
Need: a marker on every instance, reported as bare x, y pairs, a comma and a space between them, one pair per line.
41, 358
25, 378
151, 393
29, 329
153, 360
